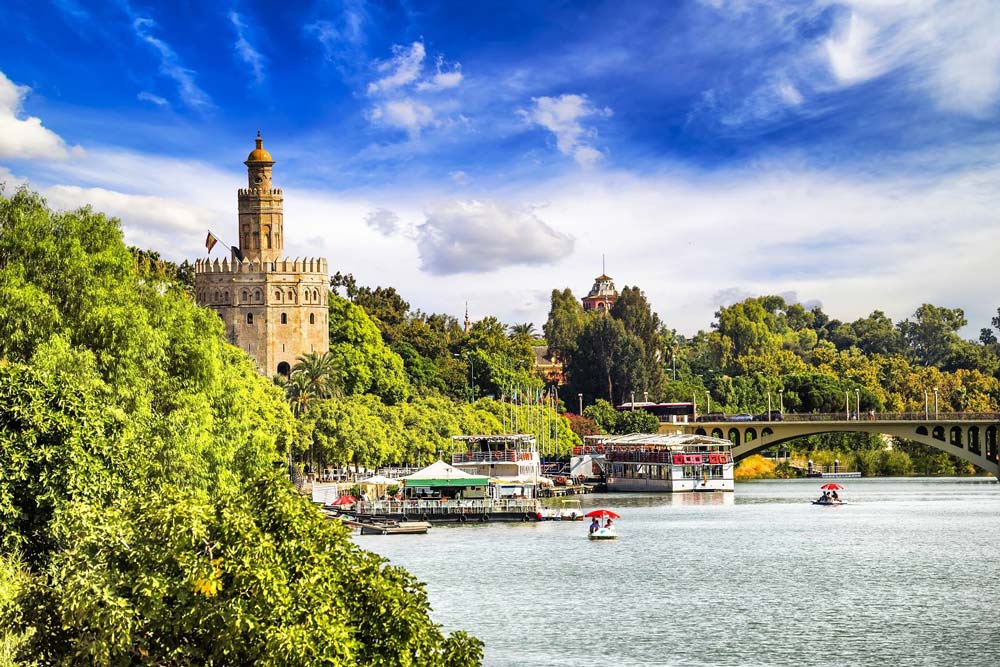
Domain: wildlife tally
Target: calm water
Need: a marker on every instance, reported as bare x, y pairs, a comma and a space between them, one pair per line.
907, 574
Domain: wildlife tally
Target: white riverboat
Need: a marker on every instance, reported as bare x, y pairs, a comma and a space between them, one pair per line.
511, 463
665, 462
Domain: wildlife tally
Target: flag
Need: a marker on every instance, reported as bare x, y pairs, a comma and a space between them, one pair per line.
211, 241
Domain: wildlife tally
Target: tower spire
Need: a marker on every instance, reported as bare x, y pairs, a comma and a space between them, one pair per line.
466, 317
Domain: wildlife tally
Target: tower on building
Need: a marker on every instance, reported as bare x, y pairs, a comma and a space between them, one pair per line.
602, 295
274, 307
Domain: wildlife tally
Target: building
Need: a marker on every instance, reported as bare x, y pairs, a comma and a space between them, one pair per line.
548, 367
602, 295
274, 307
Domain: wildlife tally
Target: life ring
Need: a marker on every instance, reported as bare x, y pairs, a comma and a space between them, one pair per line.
538, 517
600, 449
404, 517
486, 518
462, 518
424, 517
526, 517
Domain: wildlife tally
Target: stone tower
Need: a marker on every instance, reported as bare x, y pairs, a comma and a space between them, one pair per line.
274, 307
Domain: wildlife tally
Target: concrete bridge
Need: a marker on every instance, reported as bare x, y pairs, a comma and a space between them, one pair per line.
971, 437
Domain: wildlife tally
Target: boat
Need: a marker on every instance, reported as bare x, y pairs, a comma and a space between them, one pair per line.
829, 497
395, 528
567, 510
670, 463
605, 532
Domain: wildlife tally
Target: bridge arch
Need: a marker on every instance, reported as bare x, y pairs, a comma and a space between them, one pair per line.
700, 431
974, 441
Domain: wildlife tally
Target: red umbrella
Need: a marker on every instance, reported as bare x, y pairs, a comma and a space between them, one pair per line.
830, 486
601, 514
345, 500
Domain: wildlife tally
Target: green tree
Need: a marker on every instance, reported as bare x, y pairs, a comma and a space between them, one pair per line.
564, 325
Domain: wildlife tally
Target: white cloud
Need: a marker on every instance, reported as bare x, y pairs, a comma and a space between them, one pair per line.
442, 80
26, 138
171, 67
146, 96
484, 236
405, 114
459, 177
383, 221
245, 50
561, 116
403, 68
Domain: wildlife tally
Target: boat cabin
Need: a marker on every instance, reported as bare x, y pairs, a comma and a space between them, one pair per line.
511, 462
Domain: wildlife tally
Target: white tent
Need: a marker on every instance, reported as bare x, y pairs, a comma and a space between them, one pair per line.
443, 474
379, 480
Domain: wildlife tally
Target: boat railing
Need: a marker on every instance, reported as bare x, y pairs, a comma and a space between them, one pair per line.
435, 507
500, 456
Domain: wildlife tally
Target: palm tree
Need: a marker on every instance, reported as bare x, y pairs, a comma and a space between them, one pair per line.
320, 372
299, 393
523, 330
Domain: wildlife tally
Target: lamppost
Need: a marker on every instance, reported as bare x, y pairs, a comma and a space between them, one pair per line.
708, 402
579, 397
781, 401
926, 406
768, 405
847, 403
857, 403
632, 404
935, 402
645, 397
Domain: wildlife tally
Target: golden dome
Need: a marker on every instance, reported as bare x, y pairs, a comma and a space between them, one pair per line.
258, 154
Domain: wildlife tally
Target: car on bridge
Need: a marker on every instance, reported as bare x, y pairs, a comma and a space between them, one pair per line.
741, 418
772, 416
712, 417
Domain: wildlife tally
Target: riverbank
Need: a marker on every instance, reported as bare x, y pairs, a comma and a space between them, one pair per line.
870, 463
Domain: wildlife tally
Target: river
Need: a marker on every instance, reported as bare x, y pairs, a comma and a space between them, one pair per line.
907, 573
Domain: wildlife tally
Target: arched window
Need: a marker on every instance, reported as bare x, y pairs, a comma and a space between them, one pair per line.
225, 297
315, 295
257, 296
284, 318
217, 296
277, 295
291, 296
249, 318
245, 296
312, 318
284, 368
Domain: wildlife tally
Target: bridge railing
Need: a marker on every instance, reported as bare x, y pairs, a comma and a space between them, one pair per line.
878, 416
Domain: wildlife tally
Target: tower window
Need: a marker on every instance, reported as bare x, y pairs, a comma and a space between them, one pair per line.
284, 368
257, 296
284, 318
277, 295
245, 296
312, 318
249, 318
291, 295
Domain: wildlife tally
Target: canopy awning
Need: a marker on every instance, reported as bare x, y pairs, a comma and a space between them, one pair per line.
443, 474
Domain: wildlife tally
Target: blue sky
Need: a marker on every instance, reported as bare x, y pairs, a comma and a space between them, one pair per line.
840, 151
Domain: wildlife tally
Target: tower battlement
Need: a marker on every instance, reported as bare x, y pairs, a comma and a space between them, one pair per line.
250, 192
287, 265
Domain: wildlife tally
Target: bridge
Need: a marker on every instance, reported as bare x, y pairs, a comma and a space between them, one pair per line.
971, 437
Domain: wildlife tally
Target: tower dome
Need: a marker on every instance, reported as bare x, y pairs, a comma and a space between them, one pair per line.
258, 154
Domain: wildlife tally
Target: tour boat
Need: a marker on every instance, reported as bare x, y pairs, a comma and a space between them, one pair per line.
644, 462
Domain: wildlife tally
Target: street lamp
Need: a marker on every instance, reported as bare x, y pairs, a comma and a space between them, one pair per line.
579, 397
768, 405
781, 401
633, 401
708, 402
645, 397
926, 406
857, 403
847, 402
935, 402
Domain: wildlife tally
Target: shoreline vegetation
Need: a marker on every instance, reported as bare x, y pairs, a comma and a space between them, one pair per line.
146, 510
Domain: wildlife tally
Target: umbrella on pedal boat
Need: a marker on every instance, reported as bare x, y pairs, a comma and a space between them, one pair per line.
344, 500
601, 514
830, 486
